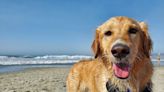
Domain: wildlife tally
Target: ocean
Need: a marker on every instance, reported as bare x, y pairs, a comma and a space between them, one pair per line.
18, 63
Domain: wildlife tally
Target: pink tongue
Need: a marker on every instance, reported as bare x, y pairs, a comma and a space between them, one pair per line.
121, 72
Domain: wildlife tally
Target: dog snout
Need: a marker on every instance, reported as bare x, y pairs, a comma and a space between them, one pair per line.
120, 51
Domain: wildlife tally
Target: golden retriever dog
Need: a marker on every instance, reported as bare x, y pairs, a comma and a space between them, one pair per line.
122, 63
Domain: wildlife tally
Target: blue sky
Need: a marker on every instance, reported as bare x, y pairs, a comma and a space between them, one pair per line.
38, 27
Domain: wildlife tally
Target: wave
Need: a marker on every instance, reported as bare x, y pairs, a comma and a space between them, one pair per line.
63, 57
3, 57
47, 59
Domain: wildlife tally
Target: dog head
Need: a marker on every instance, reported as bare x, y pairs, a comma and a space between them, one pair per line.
122, 40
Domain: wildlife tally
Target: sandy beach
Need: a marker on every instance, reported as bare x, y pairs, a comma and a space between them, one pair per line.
53, 80
35, 80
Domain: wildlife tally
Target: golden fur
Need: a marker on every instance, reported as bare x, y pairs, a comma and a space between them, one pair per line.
93, 75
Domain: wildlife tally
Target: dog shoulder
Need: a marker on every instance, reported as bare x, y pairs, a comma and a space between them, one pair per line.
91, 65
83, 63
86, 62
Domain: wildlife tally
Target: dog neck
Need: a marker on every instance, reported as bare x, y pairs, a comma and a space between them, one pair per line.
114, 84
113, 88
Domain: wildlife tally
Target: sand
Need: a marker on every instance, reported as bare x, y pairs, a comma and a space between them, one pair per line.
158, 79
35, 80
53, 80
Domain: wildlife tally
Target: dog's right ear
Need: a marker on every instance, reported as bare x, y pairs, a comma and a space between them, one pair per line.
96, 45
147, 42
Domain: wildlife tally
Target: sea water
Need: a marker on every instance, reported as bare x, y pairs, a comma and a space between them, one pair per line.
18, 63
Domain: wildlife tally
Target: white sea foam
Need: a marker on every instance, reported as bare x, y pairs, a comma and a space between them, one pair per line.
47, 59
3, 57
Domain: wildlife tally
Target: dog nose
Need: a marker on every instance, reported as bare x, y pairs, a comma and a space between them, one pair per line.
120, 50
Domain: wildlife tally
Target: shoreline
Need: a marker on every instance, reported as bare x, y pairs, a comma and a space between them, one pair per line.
53, 79
17, 68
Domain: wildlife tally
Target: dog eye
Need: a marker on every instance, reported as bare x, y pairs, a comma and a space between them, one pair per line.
133, 31
108, 33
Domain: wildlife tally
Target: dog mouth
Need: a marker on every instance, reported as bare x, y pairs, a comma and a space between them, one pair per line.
121, 70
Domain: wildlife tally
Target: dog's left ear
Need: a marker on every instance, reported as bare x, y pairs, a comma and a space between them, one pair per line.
147, 42
96, 45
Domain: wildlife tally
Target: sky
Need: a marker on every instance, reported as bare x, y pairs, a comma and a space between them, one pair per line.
41, 27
